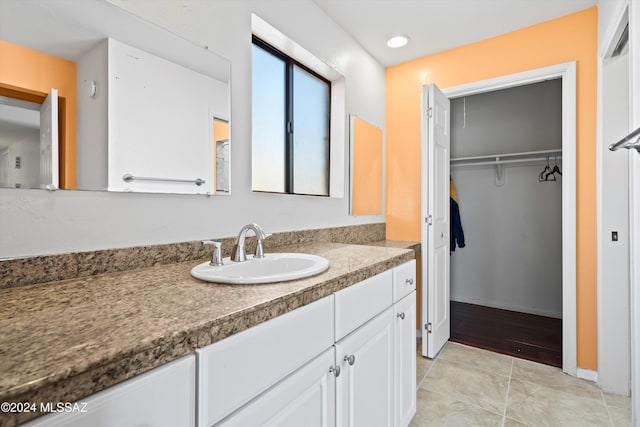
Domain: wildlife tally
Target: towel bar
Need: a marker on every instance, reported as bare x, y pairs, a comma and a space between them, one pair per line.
128, 178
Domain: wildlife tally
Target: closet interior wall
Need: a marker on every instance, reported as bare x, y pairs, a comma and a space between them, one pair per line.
513, 231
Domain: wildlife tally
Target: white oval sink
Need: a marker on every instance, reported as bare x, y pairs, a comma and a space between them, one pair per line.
274, 267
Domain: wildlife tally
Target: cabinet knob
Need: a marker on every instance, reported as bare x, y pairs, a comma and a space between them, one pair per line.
401, 315
350, 359
409, 282
335, 370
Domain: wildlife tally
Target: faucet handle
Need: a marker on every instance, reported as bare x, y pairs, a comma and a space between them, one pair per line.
216, 258
259, 247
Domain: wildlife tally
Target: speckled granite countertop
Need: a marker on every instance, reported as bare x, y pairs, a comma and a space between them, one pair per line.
65, 340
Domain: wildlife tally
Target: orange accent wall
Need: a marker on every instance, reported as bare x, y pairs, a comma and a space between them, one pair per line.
24, 68
569, 38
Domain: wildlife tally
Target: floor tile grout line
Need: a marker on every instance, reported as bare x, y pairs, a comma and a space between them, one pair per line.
427, 373
558, 390
506, 399
606, 407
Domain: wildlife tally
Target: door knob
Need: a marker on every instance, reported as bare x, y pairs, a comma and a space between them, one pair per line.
350, 359
335, 370
401, 315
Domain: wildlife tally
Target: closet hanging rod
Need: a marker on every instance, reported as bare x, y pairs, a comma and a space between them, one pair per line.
626, 142
499, 161
521, 154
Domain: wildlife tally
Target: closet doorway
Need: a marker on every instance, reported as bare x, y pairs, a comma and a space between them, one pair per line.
506, 167
500, 174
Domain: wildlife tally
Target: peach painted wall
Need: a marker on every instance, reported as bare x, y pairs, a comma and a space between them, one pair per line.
570, 38
29, 69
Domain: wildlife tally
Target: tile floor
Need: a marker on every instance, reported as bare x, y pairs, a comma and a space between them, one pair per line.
466, 386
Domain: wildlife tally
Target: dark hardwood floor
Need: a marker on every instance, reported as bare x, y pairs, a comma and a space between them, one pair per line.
522, 335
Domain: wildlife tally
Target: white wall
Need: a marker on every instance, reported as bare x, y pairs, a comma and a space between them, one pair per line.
160, 122
509, 120
91, 134
39, 222
634, 184
513, 256
614, 367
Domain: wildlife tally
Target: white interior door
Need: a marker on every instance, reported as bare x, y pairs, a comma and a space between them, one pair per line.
436, 141
49, 142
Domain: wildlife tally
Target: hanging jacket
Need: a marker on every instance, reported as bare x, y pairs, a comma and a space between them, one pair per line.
457, 235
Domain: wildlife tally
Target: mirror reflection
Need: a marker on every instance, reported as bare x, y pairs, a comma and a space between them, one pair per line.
20, 143
138, 108
366, 167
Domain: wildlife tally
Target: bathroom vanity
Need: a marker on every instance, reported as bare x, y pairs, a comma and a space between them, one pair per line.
155, 346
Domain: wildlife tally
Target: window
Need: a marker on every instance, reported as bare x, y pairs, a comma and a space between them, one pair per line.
291, 107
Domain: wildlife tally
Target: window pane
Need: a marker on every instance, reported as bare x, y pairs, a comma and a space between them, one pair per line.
268, 140
311, 108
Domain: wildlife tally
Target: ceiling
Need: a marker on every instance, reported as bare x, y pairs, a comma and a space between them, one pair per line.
437, 25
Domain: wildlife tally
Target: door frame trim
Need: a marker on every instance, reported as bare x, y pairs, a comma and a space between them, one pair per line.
567, 72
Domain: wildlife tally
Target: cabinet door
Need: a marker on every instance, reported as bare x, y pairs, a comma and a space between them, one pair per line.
305, 398
365, 385
404, 348
162, 397
238, 369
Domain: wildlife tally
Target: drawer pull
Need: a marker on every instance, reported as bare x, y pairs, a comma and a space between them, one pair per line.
350, 359
335, 370
401, 315
409, 282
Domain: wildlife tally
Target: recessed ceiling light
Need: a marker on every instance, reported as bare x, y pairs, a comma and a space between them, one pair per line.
397, 41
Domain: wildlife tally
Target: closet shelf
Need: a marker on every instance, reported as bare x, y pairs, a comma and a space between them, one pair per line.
506, 158
499, 160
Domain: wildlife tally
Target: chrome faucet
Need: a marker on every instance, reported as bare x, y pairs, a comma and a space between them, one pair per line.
239, 254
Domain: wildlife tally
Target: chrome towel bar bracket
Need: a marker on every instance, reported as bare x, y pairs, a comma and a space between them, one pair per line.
628, 142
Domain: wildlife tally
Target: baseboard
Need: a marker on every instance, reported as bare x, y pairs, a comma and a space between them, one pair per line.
587, 374
493, 304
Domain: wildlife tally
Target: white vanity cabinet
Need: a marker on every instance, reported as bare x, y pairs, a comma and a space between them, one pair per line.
162, 397
305, 398
237, 369
404, 347
365, 385
346, 360
376, 349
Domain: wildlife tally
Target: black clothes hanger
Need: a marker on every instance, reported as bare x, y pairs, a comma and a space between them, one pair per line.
546, 173
549, 174
556, 169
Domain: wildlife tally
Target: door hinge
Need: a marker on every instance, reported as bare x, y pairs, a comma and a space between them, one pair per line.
427, 326
430, 112
428, 219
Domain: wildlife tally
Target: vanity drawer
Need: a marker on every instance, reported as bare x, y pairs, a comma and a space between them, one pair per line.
161, 397
235, 370
357, 304
404, 280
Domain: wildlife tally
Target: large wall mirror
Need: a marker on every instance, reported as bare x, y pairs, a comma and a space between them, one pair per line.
95, 98
366, 167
